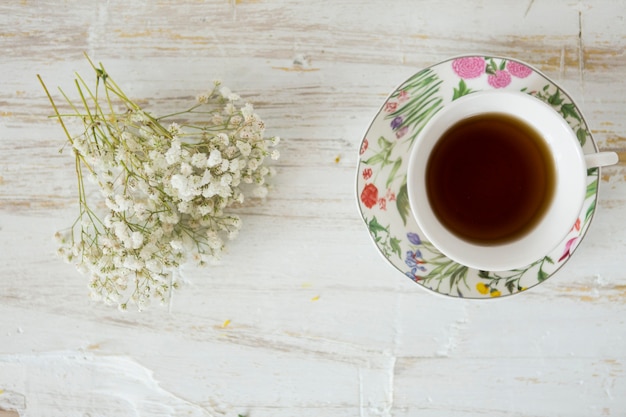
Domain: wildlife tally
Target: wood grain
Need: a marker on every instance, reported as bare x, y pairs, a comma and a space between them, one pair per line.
318, 323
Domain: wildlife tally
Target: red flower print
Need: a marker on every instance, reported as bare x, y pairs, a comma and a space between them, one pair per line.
469, 67
391, 106
369, 195
403, 96
518, 70
577, 225
382, 204
364, 146
500, 79
367, 173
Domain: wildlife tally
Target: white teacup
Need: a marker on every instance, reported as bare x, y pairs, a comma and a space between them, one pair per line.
563, 189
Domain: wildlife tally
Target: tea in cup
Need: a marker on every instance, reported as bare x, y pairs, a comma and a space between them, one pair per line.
496, 179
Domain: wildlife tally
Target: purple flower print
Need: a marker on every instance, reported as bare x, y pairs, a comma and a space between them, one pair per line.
499, 79
414, 238
518, 70
469, 67
396, 123
414, 261
413, 275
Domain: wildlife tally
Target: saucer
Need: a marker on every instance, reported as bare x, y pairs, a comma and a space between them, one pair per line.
381, 183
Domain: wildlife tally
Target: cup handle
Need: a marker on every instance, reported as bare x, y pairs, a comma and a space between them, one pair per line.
601, 159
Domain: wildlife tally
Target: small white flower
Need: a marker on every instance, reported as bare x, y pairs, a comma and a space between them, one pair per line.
177, 245
133, 263
184, 207
185, 169
174, 129
137, 239
122, 202
213, 240
253, 164
172, 155
215, 157
199, 160
244, 148
223, 138
225, 92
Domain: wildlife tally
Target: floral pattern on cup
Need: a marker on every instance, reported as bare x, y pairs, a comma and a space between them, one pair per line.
381, 183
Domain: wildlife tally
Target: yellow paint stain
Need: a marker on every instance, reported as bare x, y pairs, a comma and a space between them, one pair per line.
226, 323
614, 140
317, 297
296, 68
1, 391
529, 380
94, 346
338, 159
306, 285
142, 34
20, 93
610, 293
6, 113
165, 33
1, 180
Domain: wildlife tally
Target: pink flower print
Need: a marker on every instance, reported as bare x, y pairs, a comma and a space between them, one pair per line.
568, 248
403, 96
500, 79
391, 196
364, 146
382, 204
469, 67
401, 132
391, 106
518, 70
367, 173
577, 225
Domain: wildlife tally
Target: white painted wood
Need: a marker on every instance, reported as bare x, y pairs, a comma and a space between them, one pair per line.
319, 324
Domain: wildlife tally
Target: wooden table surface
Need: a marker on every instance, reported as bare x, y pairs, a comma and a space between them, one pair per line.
302, 317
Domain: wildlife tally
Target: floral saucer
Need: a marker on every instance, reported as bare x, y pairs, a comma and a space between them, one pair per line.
381, 183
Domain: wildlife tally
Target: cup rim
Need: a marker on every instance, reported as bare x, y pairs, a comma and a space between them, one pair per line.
562, 211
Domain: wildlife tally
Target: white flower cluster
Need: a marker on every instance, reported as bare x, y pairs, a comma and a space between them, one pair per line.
166, 188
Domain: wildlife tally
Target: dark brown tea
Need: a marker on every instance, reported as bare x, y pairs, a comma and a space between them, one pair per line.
490, 178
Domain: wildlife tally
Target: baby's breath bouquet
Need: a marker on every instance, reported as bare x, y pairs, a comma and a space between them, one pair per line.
163, 186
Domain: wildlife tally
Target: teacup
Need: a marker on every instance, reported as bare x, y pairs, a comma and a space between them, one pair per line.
497, 179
